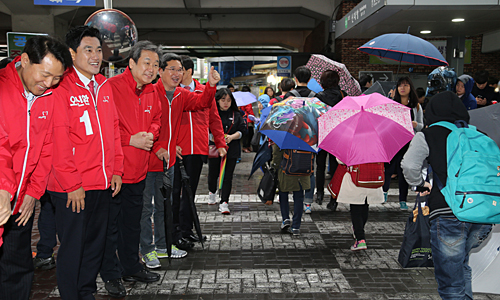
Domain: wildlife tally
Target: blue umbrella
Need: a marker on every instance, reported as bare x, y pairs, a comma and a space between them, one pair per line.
261, 157
263, 115
314, 86
404, 47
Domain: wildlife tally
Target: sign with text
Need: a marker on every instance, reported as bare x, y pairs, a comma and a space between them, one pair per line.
378, 75
66, 2
362, 11
17, 40
284, 66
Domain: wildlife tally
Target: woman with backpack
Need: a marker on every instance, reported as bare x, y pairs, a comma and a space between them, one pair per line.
233, 126
331, 95
405, 94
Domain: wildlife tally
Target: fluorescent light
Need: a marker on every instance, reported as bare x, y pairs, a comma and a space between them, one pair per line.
425, 31
456, 20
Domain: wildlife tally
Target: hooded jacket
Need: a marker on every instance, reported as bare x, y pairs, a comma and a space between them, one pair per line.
195, 126
331, 96
171, 115
467, 98
430, 144
87, 145
26, 155
136, 114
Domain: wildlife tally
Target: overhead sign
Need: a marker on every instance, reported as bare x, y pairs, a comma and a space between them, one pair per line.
66, 2
378, 75
16, 42
362, 11
284, 66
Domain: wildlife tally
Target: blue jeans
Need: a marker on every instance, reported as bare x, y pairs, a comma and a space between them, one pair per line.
451, 242
154, 181
308, 197
298, 202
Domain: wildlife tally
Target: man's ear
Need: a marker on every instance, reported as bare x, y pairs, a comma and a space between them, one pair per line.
73, 54
131, 63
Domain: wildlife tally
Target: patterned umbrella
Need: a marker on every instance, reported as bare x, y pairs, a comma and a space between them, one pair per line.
293, 123
319, 63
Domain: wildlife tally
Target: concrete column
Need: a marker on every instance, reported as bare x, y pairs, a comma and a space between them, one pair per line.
455, 51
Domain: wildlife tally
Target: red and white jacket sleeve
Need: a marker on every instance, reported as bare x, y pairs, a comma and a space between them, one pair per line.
119, 157
154, 128
63, 165
7, 175
38, 180
215, 126
196, 101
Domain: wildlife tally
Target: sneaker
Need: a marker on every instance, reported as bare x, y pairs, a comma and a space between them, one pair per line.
151, 260
402, 205
176, 253
285, 225
293, 231
307, 208
238, 160
44, 263
385, 196
359, 245
224, 208
211, 198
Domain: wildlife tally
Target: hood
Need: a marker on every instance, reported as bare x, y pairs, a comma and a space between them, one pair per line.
468, 83
264, 99
445, 106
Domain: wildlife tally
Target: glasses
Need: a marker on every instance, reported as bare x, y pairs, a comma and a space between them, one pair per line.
174, 70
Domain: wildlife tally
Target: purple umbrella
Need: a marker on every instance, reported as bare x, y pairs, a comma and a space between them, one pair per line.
244, 98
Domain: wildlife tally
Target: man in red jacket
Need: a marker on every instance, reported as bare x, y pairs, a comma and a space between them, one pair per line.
26, 153
174, 101
87, 166
193, 148
139, 110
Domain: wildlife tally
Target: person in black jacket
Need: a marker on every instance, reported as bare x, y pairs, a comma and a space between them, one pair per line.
302, 75
234, 126
331, 95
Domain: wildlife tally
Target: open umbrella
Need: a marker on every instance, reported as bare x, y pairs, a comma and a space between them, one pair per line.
263, 155
381, 87
404, 47
293, 123
365, 129
244, 98
319, 63
166, 191
222, 173
314, 86
187, 185
487, 120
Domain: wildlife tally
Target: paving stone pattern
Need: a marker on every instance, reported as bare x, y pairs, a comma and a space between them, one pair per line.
247, 257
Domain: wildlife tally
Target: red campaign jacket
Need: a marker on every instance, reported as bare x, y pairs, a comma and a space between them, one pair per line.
171, 117
136, 114
87, 147
26, 150
193, 136
248, 109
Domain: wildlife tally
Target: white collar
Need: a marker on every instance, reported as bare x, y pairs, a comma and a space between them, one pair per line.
84, 78
191, 85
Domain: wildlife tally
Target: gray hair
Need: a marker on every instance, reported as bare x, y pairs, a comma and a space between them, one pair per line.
135, 52
168, 57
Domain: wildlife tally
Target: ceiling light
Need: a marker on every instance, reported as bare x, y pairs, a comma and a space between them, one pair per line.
456, 20
425, 31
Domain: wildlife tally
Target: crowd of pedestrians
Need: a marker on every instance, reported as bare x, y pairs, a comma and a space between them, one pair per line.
93, 151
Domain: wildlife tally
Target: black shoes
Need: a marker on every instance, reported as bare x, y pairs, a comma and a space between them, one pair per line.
44, 263
184, 244
332, 205
143, 276
194, 238
115, 288
319, 197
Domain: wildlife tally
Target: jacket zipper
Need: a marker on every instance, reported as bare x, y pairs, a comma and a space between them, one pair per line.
170, 124
474, 193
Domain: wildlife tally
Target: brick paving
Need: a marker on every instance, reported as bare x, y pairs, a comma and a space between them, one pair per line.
247, 257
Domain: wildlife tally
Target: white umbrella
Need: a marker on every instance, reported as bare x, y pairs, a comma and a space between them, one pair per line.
244, 98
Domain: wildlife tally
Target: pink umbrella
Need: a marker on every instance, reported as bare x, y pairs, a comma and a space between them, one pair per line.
365, 129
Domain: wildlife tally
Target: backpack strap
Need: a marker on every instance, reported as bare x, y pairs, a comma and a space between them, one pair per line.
311, 94
445, 124
295, 93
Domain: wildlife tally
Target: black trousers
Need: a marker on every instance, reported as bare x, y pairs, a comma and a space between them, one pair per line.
82, 236
395, 165
321, 167
247, 138
213, 175
359, 216
181, 208
46, 227
16, 264
124, 232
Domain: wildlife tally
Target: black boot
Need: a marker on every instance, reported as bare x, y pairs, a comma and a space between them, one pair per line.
319, 197
332, 205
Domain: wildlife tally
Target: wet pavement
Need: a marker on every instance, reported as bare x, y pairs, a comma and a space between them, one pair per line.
247, 257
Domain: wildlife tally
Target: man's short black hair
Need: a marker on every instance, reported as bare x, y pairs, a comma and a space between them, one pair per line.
4, 62
187, 62
303, 74
136, 51
481, 76
168, 57
287, 84
420, 92
230, 86
75, 35
492, 80
39, 46
364, 79
329, 79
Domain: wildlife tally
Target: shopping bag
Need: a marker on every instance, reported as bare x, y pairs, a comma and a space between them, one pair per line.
416, 247
267, 186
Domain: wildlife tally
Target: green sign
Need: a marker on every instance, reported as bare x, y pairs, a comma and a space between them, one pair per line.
17, 40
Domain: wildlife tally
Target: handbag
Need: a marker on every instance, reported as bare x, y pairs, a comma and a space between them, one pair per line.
267, 186
369, 175
416, 247
334, 185
297, 162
